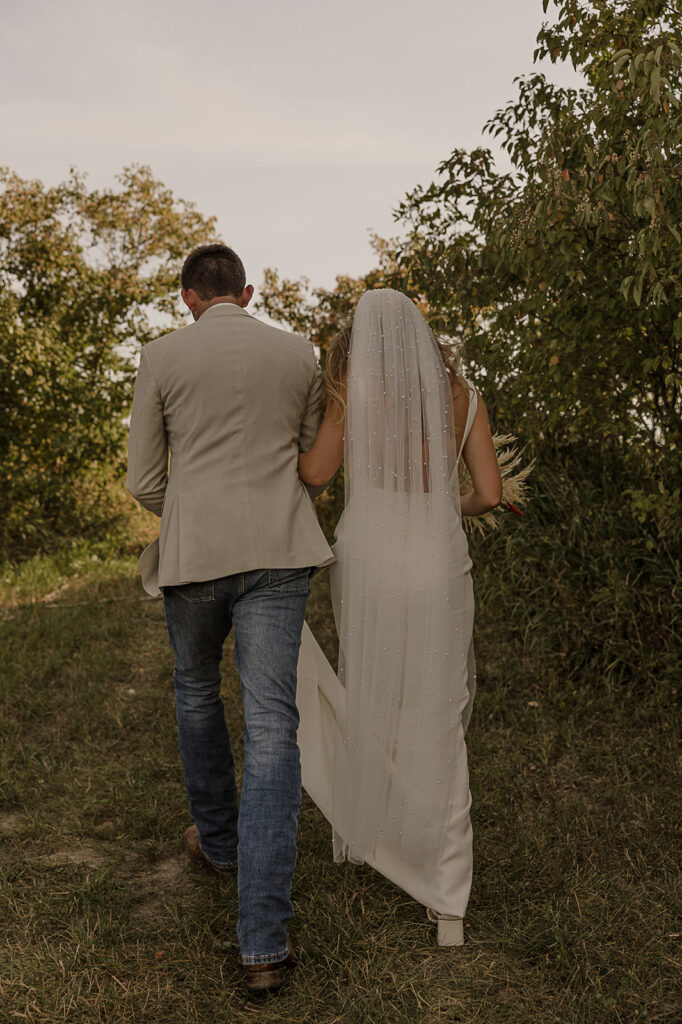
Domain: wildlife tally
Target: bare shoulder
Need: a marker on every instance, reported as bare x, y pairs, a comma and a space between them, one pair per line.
458, 386
461, 391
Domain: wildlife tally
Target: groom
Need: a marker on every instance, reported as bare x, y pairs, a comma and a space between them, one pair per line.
234, 401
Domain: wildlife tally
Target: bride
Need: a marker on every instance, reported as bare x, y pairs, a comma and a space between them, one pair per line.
382, 743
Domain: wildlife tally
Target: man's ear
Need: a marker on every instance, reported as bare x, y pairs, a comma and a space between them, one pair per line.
246, 296
190, 298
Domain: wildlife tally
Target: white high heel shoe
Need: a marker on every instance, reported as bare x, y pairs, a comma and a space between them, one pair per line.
450, 928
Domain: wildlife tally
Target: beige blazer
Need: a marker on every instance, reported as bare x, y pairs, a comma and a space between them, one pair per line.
234, 401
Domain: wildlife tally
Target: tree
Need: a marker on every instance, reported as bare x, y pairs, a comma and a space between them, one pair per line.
562, 280
563, 277
85, 277
320, 313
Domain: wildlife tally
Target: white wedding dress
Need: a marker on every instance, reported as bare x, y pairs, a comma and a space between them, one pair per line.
382, 743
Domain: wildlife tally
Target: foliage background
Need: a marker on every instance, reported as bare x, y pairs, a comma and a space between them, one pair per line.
559, 278
85, 277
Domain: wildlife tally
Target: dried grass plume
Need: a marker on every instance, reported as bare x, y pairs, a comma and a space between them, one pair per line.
513, 482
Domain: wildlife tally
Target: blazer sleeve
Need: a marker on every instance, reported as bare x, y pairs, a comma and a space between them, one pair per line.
311, 422
148, 442
314, 410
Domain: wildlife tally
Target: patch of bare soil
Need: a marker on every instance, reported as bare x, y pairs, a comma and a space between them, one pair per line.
9, 823
157, 882
165, 873
86, 855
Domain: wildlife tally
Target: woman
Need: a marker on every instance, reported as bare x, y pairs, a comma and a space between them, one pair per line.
382, 744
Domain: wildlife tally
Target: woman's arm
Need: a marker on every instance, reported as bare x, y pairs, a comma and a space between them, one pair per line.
481, 461
318, 465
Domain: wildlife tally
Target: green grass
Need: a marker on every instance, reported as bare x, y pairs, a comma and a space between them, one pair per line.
572, 913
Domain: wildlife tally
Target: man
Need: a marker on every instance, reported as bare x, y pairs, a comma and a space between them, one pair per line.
234, 401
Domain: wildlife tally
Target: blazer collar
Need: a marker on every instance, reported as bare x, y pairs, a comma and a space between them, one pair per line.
220, 308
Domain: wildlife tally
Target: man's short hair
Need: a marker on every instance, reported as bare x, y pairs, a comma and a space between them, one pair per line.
213, 270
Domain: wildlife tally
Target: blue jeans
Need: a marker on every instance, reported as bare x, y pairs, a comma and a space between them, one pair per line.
266, 607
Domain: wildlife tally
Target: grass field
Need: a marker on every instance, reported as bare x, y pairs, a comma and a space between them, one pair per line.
573, 910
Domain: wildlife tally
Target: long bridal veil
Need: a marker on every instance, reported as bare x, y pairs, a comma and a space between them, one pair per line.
390, 727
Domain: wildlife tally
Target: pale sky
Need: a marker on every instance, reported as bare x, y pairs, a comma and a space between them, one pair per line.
299, 124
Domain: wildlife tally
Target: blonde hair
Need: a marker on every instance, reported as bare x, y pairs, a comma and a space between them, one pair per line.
336, 366
451, 354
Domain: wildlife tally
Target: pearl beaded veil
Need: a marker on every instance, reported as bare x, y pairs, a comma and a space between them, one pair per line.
403, 629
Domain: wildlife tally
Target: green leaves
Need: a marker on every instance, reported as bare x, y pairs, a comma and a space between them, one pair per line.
655, 87
620, 58
85, 278
563, 278
625, 285
320, 313
580, 258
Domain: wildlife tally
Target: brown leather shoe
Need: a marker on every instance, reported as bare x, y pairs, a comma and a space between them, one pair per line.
190, 842
263, 978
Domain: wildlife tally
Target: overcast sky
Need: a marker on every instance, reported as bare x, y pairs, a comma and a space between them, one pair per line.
299, 124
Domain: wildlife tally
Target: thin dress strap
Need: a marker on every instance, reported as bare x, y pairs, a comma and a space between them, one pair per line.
471, 412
